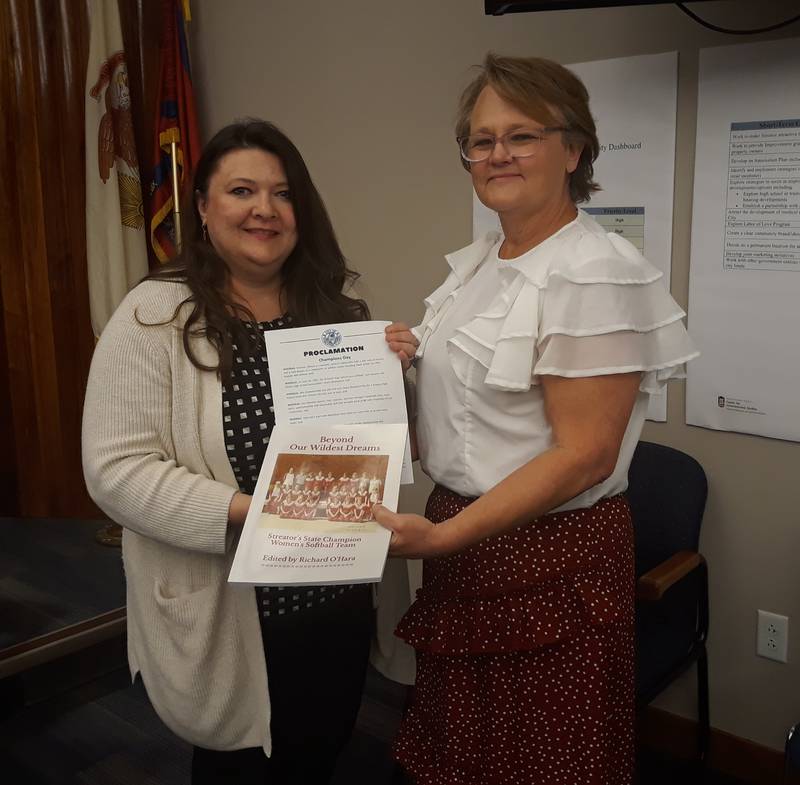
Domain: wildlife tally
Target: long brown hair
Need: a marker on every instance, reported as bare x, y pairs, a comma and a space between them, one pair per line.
312, 277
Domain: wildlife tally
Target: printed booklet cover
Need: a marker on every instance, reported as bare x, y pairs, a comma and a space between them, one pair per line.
310, 520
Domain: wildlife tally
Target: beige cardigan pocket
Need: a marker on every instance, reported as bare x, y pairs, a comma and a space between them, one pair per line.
188, 620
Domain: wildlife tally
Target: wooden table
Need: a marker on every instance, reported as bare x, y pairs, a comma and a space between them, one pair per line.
60, 591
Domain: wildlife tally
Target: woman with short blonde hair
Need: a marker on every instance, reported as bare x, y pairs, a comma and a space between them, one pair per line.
535, 361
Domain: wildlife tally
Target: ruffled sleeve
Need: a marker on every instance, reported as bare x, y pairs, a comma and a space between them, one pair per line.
611, 314
583, 303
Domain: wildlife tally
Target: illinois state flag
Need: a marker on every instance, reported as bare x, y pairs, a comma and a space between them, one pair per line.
176, 122
116, 246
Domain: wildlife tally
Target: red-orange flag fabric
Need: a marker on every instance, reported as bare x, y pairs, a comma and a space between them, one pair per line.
176, 122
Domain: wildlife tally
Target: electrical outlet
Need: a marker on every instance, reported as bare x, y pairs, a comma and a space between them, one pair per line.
772, 636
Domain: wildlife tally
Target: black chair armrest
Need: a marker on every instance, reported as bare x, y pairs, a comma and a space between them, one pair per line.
653, 584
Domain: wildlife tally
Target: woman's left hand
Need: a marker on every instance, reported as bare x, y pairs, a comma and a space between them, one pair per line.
413, 537
403, 342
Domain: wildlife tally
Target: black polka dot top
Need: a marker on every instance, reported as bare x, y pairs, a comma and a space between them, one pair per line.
248, 416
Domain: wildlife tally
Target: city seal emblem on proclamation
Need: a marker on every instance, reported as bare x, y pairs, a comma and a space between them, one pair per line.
331, 337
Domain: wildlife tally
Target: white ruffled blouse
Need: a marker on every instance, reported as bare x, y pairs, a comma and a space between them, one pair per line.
582, 303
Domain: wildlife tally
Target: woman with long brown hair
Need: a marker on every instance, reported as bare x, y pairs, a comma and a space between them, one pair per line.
177, 419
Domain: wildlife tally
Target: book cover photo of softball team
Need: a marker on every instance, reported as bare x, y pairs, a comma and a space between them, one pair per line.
334, 488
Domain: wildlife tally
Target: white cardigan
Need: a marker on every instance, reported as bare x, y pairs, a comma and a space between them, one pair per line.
155, 462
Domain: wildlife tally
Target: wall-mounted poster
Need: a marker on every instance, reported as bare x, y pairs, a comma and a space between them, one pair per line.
745, 265
633, 100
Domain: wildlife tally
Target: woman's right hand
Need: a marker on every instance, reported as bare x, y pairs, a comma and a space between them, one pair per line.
403, 342
414, 537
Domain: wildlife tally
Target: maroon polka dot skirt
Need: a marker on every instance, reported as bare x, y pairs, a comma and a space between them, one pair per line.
525, 661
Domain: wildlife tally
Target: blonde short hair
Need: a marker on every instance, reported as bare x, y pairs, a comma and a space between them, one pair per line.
547, 91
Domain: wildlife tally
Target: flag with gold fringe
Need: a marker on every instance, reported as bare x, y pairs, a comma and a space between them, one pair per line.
176, 122
116, 245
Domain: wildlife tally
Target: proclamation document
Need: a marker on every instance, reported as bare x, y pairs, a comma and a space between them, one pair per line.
744, 285
337, 373
634, 103
310, 521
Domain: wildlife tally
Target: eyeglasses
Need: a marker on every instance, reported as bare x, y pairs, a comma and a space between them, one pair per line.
520, 143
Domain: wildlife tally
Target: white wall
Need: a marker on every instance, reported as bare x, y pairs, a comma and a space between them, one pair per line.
367, 89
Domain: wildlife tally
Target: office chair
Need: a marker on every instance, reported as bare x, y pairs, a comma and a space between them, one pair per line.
667, 492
